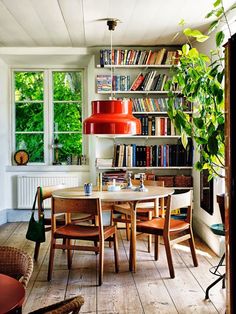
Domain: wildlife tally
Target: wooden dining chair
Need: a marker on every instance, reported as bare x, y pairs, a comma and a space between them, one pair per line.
145, 210
95, 233
44, 193
172, 230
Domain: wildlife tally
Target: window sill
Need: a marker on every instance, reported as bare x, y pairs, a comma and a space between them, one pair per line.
45, 168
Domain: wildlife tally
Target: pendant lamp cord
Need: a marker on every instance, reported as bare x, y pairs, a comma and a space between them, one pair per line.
112, 70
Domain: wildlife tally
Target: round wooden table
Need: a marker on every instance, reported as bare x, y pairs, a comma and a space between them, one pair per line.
12, 294
130, 196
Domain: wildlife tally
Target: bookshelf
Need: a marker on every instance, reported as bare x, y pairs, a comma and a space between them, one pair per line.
149, 105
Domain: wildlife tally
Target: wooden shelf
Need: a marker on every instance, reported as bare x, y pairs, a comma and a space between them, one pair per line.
136, 66
146, 168
136, 92
135, 137
156, 112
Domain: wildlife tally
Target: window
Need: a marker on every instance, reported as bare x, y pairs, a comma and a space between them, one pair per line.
48, 115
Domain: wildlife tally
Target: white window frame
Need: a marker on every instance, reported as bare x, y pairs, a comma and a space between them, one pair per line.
48, 109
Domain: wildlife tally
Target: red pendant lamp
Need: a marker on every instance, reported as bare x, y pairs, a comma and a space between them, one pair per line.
112, 117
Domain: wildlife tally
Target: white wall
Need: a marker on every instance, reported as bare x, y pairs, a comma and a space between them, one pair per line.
4, 132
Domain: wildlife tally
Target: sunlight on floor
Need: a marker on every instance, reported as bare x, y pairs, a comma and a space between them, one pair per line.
187, 249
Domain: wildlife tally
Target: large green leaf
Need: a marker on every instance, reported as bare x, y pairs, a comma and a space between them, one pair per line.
219, 38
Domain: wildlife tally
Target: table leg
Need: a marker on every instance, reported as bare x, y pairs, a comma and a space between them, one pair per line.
132, 251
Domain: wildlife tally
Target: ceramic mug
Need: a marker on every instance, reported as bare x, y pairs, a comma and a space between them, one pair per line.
88, 188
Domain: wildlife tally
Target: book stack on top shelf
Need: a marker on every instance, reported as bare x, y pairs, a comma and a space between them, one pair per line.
138, 57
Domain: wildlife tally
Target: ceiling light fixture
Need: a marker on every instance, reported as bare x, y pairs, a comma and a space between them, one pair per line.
112, 117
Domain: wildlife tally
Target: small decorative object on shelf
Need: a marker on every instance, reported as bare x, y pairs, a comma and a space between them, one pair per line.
141, 188
56, 145
21, 157
129, 182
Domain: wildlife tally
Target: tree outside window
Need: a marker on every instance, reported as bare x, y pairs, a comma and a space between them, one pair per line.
52, 115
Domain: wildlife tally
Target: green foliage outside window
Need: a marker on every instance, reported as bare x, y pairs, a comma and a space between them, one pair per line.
30, 109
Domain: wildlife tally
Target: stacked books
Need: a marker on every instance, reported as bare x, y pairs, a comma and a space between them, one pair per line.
151, 81
119, 83
138, 57
159, 104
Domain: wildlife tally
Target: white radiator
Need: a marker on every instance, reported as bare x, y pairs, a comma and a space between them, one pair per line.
27, 185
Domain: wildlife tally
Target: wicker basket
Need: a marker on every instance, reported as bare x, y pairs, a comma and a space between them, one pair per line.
168, 180
183, 181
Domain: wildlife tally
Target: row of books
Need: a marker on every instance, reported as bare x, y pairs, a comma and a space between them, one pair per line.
157, 126
119, 83
138, 57
151, 81
159, 104
165, 155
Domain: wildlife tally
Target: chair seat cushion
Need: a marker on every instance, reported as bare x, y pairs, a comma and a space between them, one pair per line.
82, 232
144, 205
156, 225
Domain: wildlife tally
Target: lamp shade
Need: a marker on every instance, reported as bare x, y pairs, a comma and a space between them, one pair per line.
112, 117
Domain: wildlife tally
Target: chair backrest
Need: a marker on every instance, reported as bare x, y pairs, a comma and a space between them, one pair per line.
68, 206
16, 263
176, 201
45, 192
149, 182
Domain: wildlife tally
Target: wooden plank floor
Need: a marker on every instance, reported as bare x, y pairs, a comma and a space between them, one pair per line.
149, 290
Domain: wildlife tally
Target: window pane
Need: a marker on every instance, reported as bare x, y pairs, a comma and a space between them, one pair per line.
33, 144
67, 117
67, 86
28, 86
29, 117
71, 145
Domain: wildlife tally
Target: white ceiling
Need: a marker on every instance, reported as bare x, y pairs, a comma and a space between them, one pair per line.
74, 23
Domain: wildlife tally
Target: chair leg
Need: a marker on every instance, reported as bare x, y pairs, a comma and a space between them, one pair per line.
116, 252
156, 247
149, 236
127, 229
192, 248
69, 254
36, 250
169, 256
64, 243
101, 262
149, 243
51, 259
96, 245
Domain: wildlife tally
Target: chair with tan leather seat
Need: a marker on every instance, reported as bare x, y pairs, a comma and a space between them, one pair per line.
145, 209
44, 193
95, 233
172, 230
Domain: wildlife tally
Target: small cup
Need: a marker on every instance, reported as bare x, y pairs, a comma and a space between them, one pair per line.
88, 189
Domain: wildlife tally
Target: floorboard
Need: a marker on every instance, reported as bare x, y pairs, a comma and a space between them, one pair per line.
150, 290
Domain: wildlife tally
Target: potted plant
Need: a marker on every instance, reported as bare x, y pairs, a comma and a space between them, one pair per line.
198, 78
